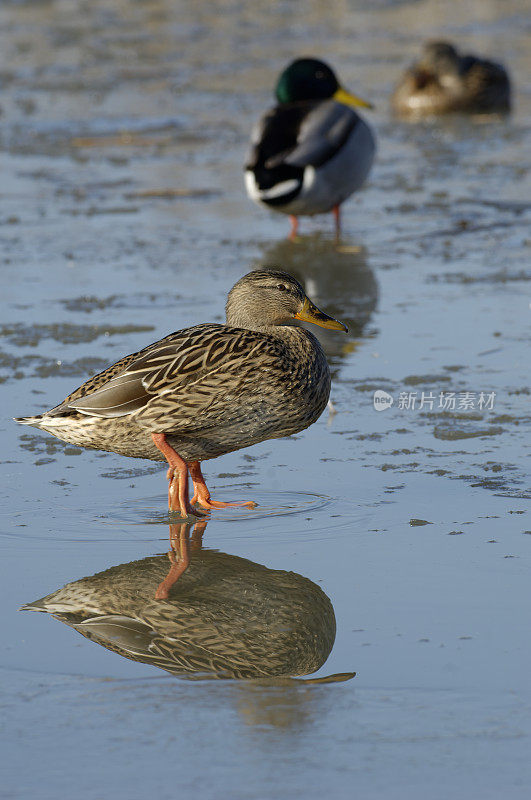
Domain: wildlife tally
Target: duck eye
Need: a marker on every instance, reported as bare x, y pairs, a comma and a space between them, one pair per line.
282, 287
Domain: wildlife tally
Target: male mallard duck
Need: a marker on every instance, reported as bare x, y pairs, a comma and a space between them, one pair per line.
311, 151
226, 616
207, 390
443, 81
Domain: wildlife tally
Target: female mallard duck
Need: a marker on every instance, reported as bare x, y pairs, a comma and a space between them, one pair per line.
207, 390
227, 616
443, 81
311, 151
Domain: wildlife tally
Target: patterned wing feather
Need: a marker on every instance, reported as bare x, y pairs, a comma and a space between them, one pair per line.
179, 378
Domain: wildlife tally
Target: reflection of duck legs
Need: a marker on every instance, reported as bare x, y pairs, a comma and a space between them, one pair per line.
178, 498
179, 555
227, 617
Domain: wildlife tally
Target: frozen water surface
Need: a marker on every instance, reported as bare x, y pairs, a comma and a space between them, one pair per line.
123, 130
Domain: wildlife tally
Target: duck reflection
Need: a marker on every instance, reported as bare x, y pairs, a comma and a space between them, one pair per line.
337, 275
214, 614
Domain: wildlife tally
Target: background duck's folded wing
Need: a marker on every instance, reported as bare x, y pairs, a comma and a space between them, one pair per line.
275, 134
322, 134
482, 75
252, 159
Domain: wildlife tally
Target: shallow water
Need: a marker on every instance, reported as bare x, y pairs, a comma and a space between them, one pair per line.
123, 130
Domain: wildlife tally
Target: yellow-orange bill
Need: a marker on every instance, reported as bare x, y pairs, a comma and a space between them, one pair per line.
311, 313
348, 99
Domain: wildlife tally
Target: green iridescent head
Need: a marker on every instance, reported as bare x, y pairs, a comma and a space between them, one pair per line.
306, 79
311, 79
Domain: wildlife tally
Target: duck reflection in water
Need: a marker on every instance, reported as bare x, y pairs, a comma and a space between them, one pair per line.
214, 614
338, 275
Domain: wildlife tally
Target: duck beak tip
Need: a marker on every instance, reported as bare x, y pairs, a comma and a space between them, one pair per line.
349, 99
310, 313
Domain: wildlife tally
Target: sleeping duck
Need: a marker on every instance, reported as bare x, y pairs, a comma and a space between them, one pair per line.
443, 81
312, 150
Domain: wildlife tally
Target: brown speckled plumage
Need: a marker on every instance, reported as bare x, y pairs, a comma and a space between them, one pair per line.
226, 616
208, 389
444, 81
